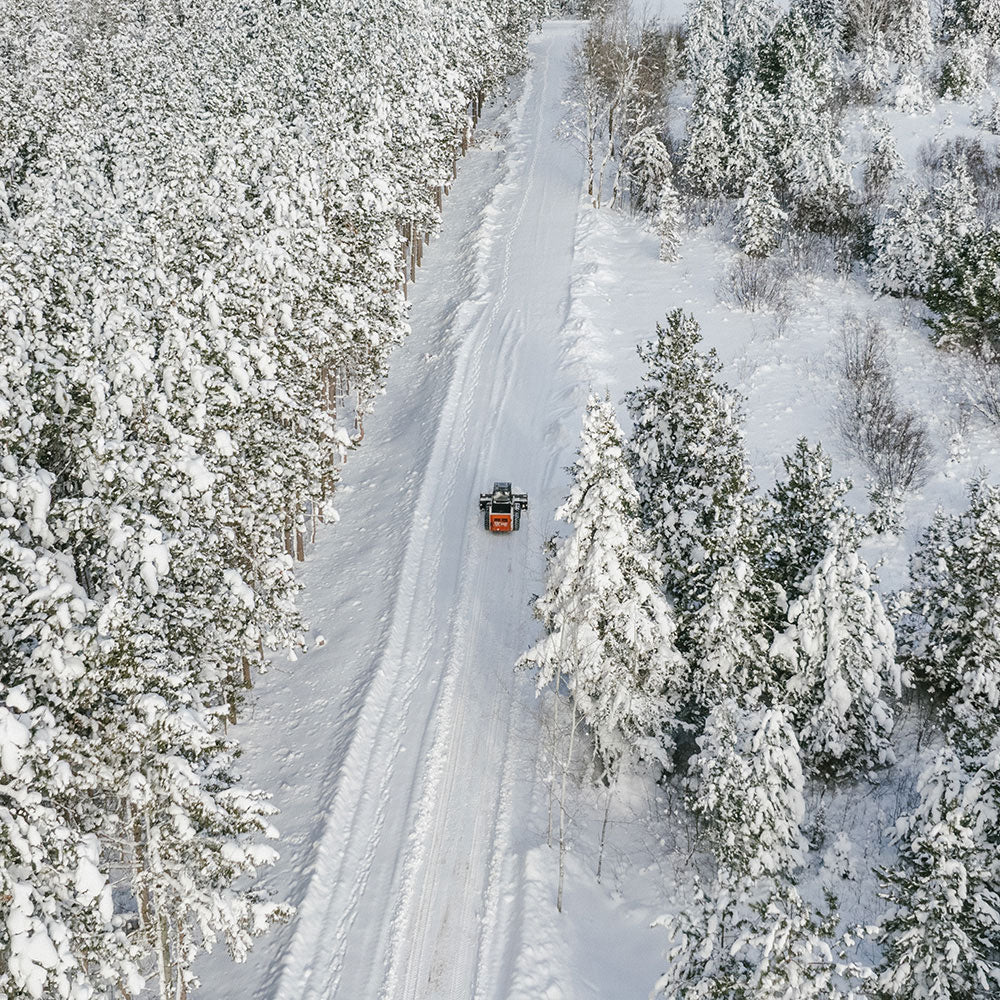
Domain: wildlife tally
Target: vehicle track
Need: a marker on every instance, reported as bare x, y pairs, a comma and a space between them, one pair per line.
404, 893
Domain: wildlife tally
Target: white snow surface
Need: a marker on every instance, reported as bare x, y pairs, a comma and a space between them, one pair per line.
410, 763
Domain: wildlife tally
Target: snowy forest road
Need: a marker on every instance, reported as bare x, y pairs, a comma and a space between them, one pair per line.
403, 873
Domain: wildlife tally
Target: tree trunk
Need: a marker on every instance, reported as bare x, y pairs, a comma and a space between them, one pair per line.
562, 813
604, 830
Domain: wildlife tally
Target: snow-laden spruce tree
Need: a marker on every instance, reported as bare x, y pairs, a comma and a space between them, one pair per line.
667, 220
760, 219
810, 157
941, 937
910, 35
706, 34
697, 498
748, 24
750, 934
884, 163
610, 631
803, 514
903, 246
838, 656
58, 934
706, 148
963, 292
751, 132
954, 643
649, 170
754, 939
925, 234
835, 647
745, 783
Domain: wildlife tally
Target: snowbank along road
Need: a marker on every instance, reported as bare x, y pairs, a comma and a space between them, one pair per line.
395, 769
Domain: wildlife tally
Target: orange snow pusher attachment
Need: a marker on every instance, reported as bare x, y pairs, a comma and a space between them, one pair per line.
502, 508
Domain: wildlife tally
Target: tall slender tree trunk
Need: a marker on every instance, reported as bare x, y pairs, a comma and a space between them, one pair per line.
562, 813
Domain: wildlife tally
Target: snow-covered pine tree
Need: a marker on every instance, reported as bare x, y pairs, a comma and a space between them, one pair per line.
903, 246
803, 514
610, 631
759, 217
706, 148
706, 37
667, 220
649, 169
745, 783
963, 292
954, 647
754, 939
910, 36
942, 935
828, 18
810, 158
58, 934
697, 499
748, 24
884, 163
839, 657
751, 132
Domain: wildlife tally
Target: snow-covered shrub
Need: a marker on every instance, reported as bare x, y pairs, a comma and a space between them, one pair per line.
754, 284
891, 439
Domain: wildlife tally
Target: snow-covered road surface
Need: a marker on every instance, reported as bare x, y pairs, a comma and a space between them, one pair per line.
395, 761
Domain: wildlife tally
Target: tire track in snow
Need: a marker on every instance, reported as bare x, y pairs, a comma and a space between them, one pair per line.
482, 855
399, 815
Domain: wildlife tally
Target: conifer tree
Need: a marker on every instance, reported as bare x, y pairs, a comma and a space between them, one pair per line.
804, 513
955, 583
706, 149
610, 631
667, 221
746, 784
697, 499
963, 292
884, 164
910, 35
751, 131
751, 935
903, 245
759, 217
943, 932
649, 170
839, 653
754, 939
